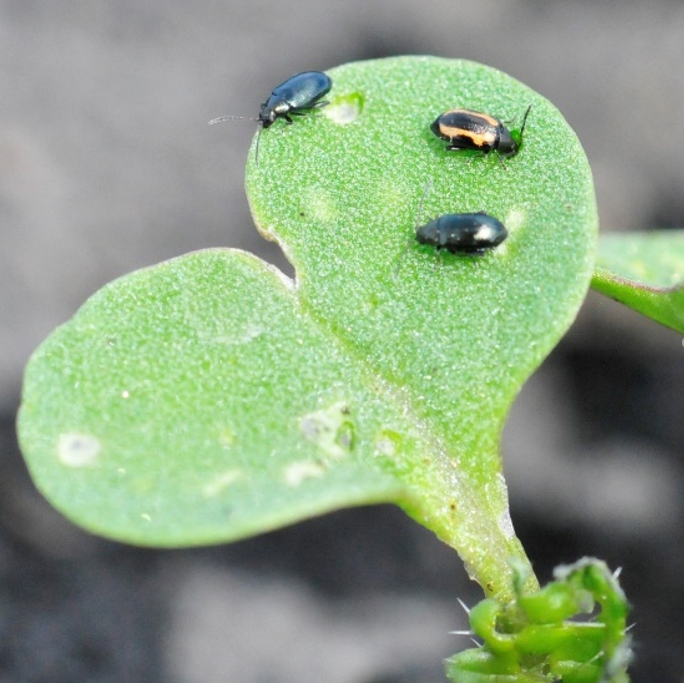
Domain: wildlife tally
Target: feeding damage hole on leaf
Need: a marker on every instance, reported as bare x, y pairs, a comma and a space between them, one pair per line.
345, 109
387, 443
297, 472
331, 430
77, 450
221, 481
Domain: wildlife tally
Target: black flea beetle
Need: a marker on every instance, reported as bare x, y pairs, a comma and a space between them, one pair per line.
294, 97
466, 129
469, 234
463, 233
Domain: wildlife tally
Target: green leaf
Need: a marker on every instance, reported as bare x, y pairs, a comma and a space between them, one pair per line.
645, 271
211, 398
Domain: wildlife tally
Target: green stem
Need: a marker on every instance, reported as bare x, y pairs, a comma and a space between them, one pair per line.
473, 518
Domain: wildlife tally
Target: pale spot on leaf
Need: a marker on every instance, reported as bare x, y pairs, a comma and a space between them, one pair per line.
78, 450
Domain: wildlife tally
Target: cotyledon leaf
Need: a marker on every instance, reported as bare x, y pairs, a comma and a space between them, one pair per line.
645, 271
195, 402
210, 398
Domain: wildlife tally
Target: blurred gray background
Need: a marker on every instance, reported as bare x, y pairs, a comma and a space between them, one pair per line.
107, 165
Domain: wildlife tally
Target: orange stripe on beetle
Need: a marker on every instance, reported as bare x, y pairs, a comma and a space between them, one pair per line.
468, 129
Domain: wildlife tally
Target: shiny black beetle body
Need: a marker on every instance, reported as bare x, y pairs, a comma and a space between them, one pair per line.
467, 129
294, 97
463, 233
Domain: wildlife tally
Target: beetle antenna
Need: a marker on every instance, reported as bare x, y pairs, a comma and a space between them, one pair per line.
220, 119
256, 152
522, 128
400, 258
428, 185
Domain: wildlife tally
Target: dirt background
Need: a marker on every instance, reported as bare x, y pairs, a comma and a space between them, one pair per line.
107, 165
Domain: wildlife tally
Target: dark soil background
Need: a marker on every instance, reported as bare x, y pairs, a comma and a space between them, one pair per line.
107, 165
